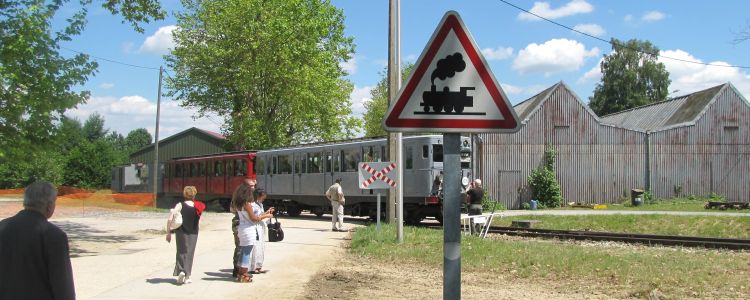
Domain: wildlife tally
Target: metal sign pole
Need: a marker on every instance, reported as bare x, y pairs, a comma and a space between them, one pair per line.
451, 216
378, 217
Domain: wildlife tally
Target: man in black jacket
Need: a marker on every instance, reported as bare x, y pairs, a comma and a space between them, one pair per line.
34, 254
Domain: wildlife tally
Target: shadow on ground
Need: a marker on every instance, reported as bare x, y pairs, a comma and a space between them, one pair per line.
83, 233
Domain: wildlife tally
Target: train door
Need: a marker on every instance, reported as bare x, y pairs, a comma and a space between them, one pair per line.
328, 170
272, 171
218, 181
299, 169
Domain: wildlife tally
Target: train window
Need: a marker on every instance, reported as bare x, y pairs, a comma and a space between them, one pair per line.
313, 163
285, 164
425, 151
437, 153
367, 154
219, 168
260, 165
327, 161
337, 161
202, 169
209, 168
230, 167
194, 170
240, 167
299, 163
350, 160
273, 166
178, 170
409, 158
385, 154
376, 156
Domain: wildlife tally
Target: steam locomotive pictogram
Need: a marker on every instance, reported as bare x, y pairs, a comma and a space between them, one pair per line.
446, 100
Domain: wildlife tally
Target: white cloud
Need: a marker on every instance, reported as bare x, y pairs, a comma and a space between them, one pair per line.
160, 42
349, 66
653, 16
131, 112
556, 55
689, 77
592, 29
511, 89
498, 53
543, 9
595, 74
106, 86
628, 18
358, 97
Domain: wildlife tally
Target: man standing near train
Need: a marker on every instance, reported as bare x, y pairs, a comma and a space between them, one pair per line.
336, 195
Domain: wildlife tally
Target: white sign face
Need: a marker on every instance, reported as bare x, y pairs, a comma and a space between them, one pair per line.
451, 88
375, 175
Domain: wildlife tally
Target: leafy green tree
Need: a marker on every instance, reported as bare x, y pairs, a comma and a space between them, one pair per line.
270, 67
376, 108
36, 81
93, 128
89, 165
69, 133
631, 77
137, 139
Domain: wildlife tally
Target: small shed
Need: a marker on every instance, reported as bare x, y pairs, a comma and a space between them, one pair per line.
596, 163
697, 144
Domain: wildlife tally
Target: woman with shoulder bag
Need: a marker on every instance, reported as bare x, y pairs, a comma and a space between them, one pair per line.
256, 263
186, 234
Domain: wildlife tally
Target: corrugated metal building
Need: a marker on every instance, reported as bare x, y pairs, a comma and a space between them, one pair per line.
595, 162
698, 143
189, 142
193, 141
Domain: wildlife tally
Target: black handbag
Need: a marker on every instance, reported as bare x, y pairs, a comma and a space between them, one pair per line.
275, 233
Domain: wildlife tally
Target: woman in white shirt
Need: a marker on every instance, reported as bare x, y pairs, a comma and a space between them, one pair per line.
248, 231
259, 252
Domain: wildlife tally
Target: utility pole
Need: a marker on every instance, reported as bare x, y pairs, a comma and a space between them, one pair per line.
395, 196
155, 171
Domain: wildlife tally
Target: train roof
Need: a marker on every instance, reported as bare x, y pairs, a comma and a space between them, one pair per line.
216, 155
345, 142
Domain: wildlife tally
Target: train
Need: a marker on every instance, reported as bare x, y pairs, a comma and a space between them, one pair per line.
297, 177
446, 100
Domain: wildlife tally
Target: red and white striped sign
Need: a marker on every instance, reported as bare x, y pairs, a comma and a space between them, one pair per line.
372, 175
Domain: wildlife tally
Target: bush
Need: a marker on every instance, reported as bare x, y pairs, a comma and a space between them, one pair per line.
544, 186
488, 204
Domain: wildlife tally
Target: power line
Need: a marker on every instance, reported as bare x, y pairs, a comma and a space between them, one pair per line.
609, 42
110, 60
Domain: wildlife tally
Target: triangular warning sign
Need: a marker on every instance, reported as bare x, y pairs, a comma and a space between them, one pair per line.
451, 88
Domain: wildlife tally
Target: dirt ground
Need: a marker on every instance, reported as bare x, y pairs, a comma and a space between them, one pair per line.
354, 277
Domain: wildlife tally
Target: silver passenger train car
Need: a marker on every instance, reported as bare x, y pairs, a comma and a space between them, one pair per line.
296, 178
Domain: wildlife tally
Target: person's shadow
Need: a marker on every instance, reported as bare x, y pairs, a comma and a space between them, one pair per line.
222, 275
172, 281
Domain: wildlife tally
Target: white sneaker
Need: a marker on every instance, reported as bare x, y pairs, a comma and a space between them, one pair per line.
188, 280
181, 278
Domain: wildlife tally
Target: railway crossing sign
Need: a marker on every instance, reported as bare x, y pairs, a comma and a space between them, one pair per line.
373, 175
451, 88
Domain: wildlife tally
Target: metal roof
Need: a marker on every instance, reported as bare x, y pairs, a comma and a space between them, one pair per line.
526, 107
215, 137
679, 111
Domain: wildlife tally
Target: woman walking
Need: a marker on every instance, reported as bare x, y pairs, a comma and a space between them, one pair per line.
187, 234
256, 263
239, 193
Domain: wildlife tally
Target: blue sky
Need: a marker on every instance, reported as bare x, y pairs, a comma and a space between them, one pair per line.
525, 54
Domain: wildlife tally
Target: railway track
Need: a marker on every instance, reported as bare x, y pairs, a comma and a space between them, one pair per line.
647, 239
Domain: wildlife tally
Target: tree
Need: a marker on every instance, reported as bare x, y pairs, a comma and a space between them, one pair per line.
36, 81
89, 165
270, 67
375, 109
631, 77
93, 128
137, 139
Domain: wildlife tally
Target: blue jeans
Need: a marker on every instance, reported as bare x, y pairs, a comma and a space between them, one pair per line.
245, 254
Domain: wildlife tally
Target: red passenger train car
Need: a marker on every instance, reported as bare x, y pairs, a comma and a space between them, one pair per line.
215, 176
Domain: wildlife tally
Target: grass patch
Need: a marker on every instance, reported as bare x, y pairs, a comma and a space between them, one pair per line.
705, 226
609, 267
670, 204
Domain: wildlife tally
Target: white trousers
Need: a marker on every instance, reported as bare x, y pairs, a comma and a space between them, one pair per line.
256, 260
337, 219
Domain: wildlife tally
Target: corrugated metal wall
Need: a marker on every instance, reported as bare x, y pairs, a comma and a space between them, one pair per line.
190, 144
711, 156
595, 163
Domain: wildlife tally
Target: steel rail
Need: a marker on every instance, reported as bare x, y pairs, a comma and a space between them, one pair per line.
647, 239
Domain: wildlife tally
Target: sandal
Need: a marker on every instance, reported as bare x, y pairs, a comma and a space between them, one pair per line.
243, 276
259, 271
